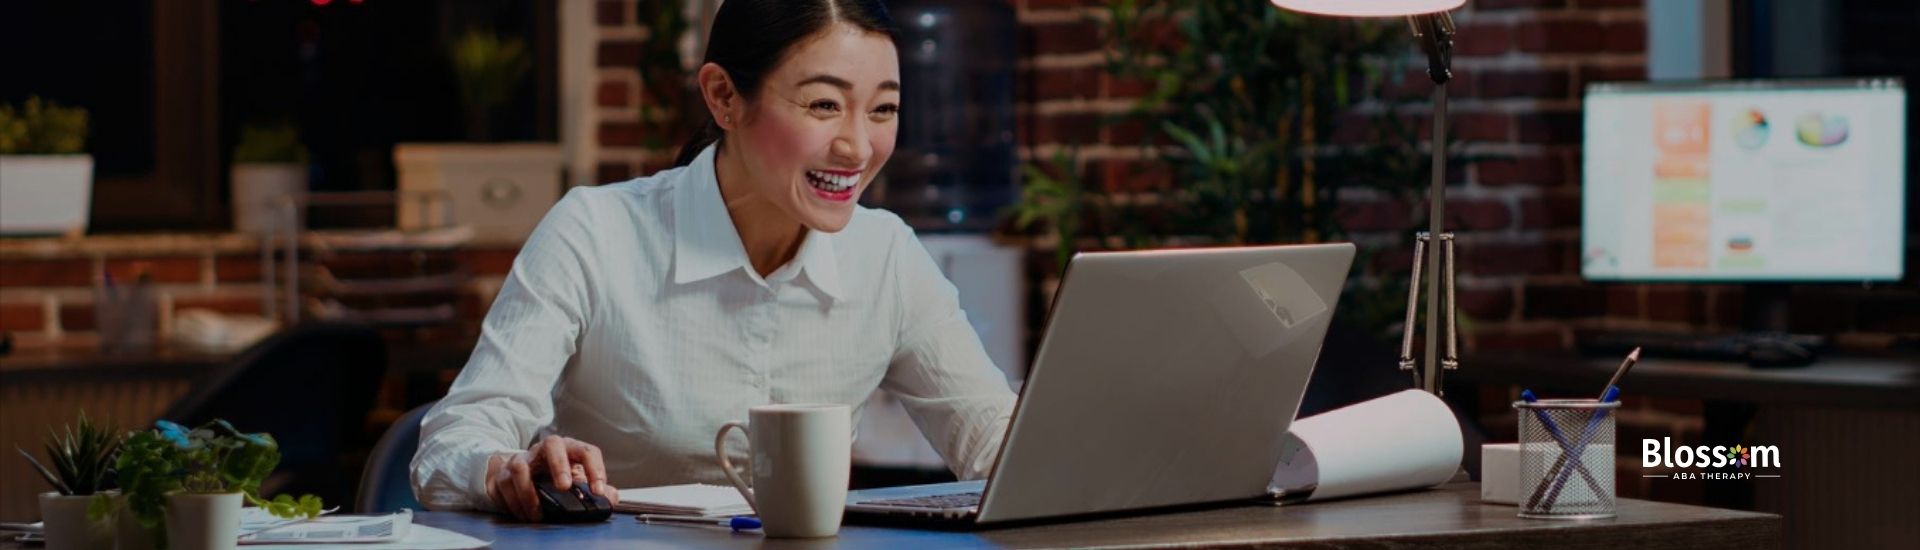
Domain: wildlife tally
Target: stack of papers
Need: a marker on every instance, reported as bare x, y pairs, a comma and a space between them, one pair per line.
684, 500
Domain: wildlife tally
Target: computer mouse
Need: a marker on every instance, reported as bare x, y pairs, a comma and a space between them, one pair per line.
1772, 352
576, 504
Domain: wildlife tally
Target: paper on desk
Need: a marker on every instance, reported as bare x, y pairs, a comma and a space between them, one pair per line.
419, 537
1407, 440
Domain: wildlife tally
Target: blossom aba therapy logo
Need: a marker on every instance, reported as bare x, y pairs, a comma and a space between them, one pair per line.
1736, 462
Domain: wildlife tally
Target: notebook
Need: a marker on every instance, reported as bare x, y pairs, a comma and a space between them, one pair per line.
688, 500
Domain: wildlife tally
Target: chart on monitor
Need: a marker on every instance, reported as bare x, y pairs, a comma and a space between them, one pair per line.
1744, 181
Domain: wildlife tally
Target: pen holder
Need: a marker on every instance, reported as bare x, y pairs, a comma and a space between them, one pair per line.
1566, 458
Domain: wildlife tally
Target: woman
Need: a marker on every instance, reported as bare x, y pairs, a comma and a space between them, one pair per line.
641, 316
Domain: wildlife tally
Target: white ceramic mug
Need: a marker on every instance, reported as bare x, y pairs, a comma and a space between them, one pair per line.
801, 455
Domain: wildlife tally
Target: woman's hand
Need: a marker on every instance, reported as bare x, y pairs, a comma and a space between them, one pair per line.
565, 459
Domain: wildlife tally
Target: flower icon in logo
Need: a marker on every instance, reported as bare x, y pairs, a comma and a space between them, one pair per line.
1737, 455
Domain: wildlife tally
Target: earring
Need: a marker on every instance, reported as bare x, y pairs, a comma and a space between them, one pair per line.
729, 119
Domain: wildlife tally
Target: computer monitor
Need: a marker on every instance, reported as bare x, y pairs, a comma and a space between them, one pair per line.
1744, 181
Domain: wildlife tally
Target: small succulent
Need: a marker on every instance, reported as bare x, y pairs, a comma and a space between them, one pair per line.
82, 456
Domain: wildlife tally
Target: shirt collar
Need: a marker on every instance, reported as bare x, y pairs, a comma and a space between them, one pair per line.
706, 244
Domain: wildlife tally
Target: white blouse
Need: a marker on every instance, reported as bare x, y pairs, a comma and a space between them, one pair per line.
632, 320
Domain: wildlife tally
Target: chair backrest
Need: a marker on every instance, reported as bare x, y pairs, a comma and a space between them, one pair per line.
385, 484
311, 386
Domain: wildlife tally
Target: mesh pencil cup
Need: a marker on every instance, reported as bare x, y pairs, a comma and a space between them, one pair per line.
1566, 458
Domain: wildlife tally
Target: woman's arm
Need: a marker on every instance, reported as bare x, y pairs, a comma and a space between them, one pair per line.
504, 395
940, 372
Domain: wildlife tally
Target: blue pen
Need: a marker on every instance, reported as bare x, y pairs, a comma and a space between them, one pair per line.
1580, 447
737, 523
1559, 464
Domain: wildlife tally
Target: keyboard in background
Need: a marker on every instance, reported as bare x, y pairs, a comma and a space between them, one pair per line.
1756, 349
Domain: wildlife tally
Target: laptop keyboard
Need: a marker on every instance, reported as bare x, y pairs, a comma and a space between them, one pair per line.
957, 500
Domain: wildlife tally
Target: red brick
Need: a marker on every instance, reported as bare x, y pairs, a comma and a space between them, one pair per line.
1677, 303
1487, 304
1548, 128
1073, 128
1483, 39
612, 172
77, 317
1512, 4
1626, 36
1558, 301
1374, 215
1135, 175
237, 269
1478, 214
650, 166
1559, 36
1540, 83
1586, 4
1118, 86
1891, 310
1054, 4
1623, 301
1531, 337
610, 13
488, 261
1076, 82
1493, 127
1541, 258
62, 272
22, 318
243, 305
1528, 169
620, 134
159, 270
618, 53
613, 93
1135, 131
1065, 37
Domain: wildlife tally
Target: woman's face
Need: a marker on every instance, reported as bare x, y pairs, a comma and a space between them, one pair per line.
823, 125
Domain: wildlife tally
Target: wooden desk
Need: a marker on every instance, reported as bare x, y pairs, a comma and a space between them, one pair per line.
1835, 422
1451, 516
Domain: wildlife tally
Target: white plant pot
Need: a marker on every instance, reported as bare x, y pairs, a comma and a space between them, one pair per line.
257, 190
203, 521
45, 194
67, 526
501, 190
128, 534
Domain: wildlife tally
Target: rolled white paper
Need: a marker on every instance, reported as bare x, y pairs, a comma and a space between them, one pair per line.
1407, 440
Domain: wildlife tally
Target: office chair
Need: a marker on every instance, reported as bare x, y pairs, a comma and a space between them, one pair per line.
310, 386
385, 484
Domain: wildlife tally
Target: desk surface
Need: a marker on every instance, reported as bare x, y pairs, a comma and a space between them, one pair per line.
1869, 382
1449, 516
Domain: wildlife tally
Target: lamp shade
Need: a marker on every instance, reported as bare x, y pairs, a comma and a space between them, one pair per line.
1369, 8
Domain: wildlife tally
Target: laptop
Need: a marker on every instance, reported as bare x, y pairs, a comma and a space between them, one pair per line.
1165, 378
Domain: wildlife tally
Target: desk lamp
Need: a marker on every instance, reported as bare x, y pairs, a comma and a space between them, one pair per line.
1434, 27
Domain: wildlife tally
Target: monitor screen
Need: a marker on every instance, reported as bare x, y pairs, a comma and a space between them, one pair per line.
1744, 181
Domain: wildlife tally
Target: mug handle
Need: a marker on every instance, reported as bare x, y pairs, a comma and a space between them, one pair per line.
720, 451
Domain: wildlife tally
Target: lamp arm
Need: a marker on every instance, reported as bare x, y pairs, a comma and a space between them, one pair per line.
1435, 31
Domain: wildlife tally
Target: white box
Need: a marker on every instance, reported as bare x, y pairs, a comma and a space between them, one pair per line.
500, 189
1500, 473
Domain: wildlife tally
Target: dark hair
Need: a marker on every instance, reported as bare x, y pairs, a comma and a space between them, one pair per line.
751, 37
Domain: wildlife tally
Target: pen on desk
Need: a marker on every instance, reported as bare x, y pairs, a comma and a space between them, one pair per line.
737, 524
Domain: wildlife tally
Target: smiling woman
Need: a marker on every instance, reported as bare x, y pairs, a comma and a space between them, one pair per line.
642, 316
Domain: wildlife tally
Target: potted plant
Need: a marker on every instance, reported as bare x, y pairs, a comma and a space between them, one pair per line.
46, 178
82, 456
499, 189
188, 485
268, 163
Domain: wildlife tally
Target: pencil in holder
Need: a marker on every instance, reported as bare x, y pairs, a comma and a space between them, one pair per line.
1566, 458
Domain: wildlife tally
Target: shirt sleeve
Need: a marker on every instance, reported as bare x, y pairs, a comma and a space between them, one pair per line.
505, 393
940, 372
